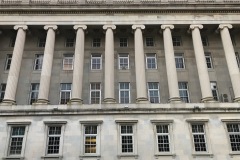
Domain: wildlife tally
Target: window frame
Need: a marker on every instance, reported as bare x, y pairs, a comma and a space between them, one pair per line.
214, 89
38, 59
33, 92
151, 56
124, 90
8, 62
177, 41
97, 57
95, 90
179, 56
121, 56
208, 57
12, 42
96, 42
149, 42
2, 92
65, 91
67, 58
149, 90
70, 42
238, 59
185, 89
42, 42
123, 42
205, 41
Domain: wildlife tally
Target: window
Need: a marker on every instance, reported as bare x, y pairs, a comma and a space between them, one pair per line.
234, 135
233, 40
12, 42
34, 92
214, 90
70, 42
65, 93
96, 61
8, 61
124, 92
183, 91
177, 41
205, 41
95, 93
38, 62
149, 42
163, 137
238, 58
127, 138
68, 62
153, 92
123, 61
2, 91
199, 137
41, 42
123, 42
208, 60
179, 60
151, 61
96, 42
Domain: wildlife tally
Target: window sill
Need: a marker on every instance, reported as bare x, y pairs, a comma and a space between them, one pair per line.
13, 157
234, 153
52, 157
97, 157
165, 154
37, 71
202, 155
128, 155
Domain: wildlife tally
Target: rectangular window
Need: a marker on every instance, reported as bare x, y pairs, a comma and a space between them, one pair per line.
163, 137
127, 140
124, 92
65, 93
96, 42
123, 61
183, 91
123, 42
179, 60
34, 92
149, 41
199, 137
205, 41
95, 93
151, 61
70, 42
38, 62
2, 91
96, 61
16, 140
177, 41
153, 92
53, 139
208, 60
90, 139
214, 90
234, 136
233, 40
67, 62
12, 42
238, 58
41, 42
8, 62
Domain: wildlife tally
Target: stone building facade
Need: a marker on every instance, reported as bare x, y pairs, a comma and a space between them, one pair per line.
119, 79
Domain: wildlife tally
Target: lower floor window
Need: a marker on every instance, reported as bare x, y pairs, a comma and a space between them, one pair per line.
16, 140
199, 137
90, 138
127, 138
54, 136
163, 138
234, 136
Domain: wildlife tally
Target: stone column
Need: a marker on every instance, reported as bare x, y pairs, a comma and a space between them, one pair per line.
231, 59
140, 65
78, 65
170, 64
47, 65
13, 75
201, 64
109, 65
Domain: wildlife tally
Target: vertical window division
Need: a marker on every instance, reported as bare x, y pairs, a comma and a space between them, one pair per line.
41, 42
208, 60
163, 137
90, 138
214, 90
16, 140
38, 62
70, 42
95, 93
177, 41
238, 58
205, 41
68, 62
34, 92
123, 42
183, 91
65, 93
123, 61
96, 61
199, 137
127, 138
53, 139
149, 41
151, 61
153, 92
124, 92
2, 91
179, 60
12, 42
96, 42
234, 136
8, 62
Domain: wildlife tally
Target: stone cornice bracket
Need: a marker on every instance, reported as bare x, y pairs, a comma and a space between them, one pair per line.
54, 27
222, 26
24, 27
111, 26
164, 26
138, 26
76, 27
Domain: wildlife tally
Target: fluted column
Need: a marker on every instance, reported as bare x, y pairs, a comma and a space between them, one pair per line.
139, 65
109, 65
78, 65
201, 64
14, 71
170, 64
47, 65
231, 59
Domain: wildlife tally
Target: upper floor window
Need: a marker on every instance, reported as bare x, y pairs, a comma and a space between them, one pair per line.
153, 92
205, 41
123, 42
199, 137
2, 91
34, 92
96, 61
70, 42
95, 93
238, 58
41, 42
234, 136
38, 62
12, 42
65, 93
96, 42
183, 91
123, 61
208, 60
8, 62
179, 60
233, 40
214, 90
151, 61
68, 62
124, 92
149, 41
177, 41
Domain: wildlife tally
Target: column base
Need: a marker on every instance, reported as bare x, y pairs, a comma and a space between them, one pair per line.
76, 101
175, 100
208, 99
8, 102
142, 100
109, 100
41, 102
237, 99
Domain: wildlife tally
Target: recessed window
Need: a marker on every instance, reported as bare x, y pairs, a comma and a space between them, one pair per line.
95, 93
151, 61
199, 137
96, 61
233, 40
12, 42
123, 42
16, 140
124, 92
153, 92
54, 137
41, 42
163, 137
70, 42
238, 58
96, 42
149, 41
205, 41
177, 41
91, 139
34, 92
183, 91
127, 138
2, 91
179, 61
8, 62
65, 93
123, 61
38, 62
234, 136
214, 90
208, 60
67, 62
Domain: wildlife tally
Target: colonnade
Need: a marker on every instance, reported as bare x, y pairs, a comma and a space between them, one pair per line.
109, 97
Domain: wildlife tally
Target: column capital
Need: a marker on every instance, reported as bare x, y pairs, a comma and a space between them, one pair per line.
76, 27
138, 26
112, 26
54, 27
222, 26
24, 27
164, 26
193, 26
